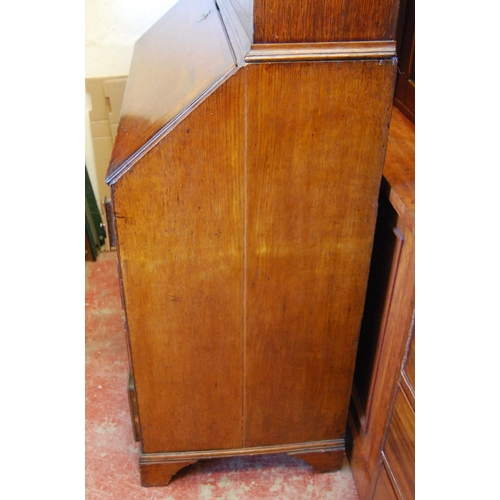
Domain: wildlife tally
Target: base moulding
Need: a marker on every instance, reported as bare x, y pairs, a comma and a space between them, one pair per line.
157, 469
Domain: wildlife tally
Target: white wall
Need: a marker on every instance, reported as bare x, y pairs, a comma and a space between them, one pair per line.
111, 29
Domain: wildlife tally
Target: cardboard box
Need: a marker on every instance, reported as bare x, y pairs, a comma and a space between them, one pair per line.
106, 96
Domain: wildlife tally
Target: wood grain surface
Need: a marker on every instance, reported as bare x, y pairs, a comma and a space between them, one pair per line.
399, 168
179, 218
312, 189
276, 21
384, 489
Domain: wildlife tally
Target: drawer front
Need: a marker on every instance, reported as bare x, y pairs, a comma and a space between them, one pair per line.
400, 446
384, 489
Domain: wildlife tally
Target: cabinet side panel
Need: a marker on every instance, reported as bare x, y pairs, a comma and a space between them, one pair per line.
316, 139
179, 215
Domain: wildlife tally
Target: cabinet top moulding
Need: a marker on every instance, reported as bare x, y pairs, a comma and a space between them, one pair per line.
321, 51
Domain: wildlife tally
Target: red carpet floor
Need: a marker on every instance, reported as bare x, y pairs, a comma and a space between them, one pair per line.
112, 470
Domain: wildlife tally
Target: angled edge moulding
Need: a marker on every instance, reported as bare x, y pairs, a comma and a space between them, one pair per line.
245, 177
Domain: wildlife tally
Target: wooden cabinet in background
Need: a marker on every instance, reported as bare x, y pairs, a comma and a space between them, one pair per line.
245, 176
382, 416
404, 95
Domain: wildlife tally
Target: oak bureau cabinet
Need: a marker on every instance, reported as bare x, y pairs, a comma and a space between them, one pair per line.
245, 176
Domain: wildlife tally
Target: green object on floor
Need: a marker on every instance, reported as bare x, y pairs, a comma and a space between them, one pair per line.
94, 230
